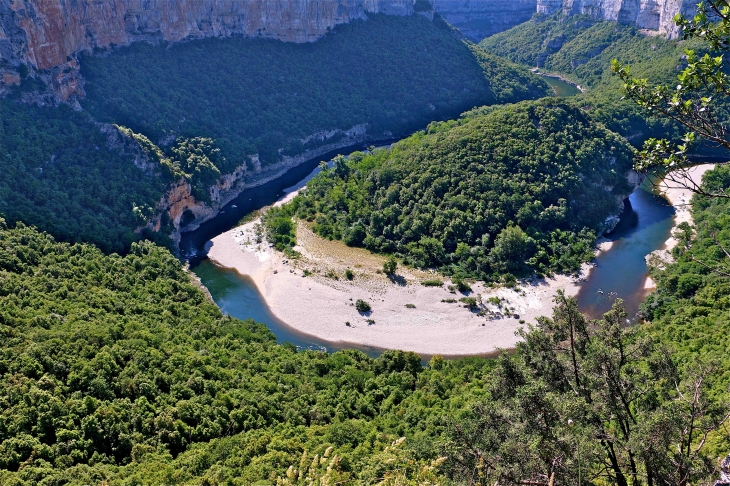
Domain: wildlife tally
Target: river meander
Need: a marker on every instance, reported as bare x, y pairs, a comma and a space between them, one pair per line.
619, 272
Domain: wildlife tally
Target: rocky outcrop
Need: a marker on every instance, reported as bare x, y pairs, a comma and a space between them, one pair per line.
478, 19
656, 15
46, 35
186, 213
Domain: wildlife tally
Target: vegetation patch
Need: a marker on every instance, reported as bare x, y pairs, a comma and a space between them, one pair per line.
524, 188
362, 306
257, 96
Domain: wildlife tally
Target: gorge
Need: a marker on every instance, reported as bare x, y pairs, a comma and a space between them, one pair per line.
48, 35
449, 301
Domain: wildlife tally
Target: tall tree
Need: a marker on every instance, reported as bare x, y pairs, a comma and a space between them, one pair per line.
698, 102
588, 401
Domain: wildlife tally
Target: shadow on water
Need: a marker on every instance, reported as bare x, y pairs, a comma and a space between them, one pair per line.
236, 294
192, 243
621, 272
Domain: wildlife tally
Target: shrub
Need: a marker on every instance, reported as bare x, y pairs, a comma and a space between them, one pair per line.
411, 306
390, 265
362, 306
432, 283
349, 275
469, 302
461, 285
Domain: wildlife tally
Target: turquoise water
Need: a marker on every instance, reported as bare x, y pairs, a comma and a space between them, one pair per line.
621, 271
238, 296
561, 88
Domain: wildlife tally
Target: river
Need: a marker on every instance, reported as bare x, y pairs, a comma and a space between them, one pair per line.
619, 272
562, 89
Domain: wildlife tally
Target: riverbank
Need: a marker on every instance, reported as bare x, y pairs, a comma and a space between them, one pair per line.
679, 196
313, 295
559, 77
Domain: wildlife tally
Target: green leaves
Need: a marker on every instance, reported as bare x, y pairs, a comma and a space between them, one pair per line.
442, 199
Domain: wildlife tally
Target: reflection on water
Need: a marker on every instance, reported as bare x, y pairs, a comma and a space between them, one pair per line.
238, 296
621, 272
561, 88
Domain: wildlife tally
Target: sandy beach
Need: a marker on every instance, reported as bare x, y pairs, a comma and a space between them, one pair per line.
680, 198
312, 295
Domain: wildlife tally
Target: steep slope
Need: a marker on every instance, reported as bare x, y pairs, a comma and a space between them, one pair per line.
47, 35
112, 366
581, 49
519, 189
656, 15
478, 19
269, 106
210, 117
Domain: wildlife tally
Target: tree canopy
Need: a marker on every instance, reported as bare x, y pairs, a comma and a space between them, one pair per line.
519, 189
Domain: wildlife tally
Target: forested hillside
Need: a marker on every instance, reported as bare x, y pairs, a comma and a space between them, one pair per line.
520, 189
60, 174
109, 361
216, 102
691, 308
581, 49
252, 96
118, 369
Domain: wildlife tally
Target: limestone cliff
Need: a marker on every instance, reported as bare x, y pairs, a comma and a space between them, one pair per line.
478, 19
46, 34
186, 213
656, 15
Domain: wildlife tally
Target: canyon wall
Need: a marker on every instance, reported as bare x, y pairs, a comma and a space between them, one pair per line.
478, 19
45, 35
46, 32
656, 15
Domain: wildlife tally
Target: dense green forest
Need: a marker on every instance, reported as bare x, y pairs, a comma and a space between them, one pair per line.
109, 361
60, 173
520, 189
119, 369
214, 102
581, 49
251, 96
692, 306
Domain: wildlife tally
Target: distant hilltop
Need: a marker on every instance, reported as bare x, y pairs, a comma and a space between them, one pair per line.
46, 35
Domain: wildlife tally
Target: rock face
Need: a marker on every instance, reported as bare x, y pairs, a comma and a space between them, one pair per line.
185, 213
654, 15
478, 19
45, 35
